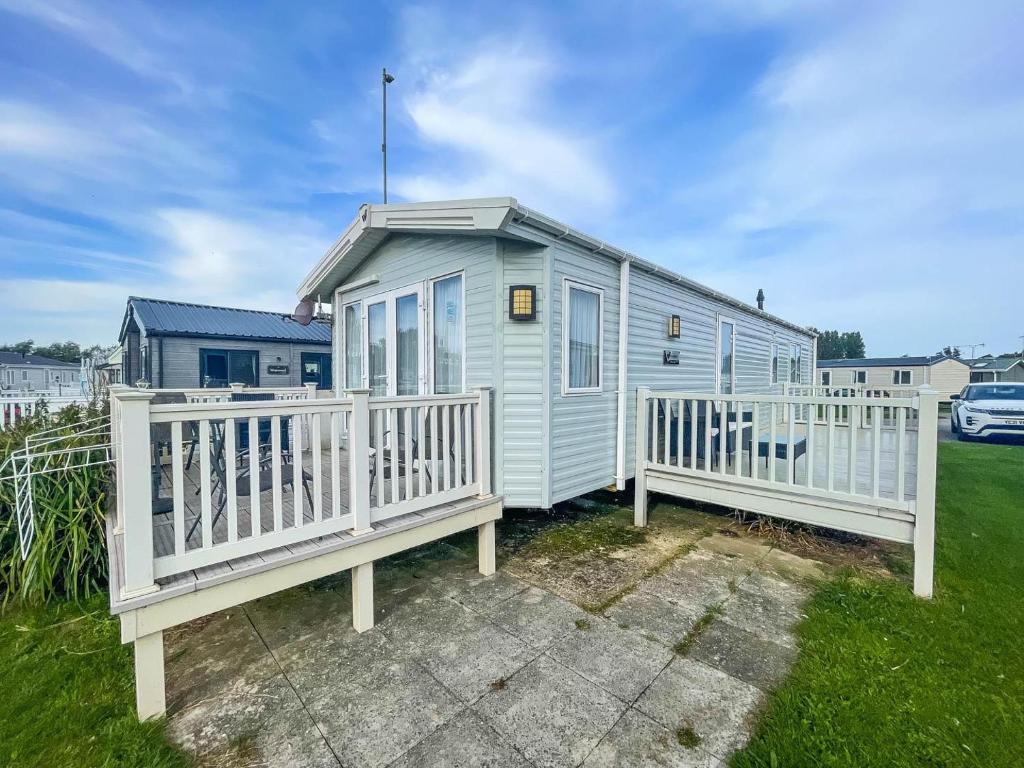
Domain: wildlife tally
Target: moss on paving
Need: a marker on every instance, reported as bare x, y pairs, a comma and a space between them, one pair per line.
887, 679
687, 737
598, 535
69, 692
682, 648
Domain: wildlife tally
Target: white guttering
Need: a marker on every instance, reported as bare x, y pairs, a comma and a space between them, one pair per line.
620, 423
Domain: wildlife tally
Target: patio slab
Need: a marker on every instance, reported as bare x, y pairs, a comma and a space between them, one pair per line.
637, 741
715, 705
623, 663
550, 714
465, 741
465, 670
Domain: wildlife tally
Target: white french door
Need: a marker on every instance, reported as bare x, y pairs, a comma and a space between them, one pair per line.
394, 342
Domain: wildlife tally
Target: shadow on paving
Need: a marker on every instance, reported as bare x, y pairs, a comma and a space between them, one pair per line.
595, 644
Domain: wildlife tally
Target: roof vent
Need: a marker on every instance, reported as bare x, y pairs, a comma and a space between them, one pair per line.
760, 299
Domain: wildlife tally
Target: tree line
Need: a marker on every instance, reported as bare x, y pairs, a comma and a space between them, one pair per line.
840, 345
65, 351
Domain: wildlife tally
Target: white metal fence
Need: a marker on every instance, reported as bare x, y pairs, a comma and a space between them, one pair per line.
857, 465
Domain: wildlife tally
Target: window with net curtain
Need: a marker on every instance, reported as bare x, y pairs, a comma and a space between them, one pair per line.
448, 342
583, 337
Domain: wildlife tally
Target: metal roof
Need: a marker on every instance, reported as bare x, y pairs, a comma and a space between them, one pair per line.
16, 358
995, 363
886, 362
494, 216
159, 317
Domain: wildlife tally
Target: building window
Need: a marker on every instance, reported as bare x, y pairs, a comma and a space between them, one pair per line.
775, 363
582, 321
316, 369
353, 333
796, 364
726, 355
826, 378
859, 377
220, 367
902, 378
447, 335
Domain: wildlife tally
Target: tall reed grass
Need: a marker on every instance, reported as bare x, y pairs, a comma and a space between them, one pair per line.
68, 556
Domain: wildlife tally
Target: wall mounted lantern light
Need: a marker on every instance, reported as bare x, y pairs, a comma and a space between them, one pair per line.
674, 327
522, 302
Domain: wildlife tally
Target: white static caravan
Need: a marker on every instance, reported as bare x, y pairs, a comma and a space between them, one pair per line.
423, 303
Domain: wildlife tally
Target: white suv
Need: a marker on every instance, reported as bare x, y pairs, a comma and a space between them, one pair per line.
981, 410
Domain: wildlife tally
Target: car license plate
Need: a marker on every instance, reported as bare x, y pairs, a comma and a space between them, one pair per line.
1015, 422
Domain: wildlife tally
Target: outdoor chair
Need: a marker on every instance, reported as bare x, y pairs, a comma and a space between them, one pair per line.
160, 437
218, 463
420, 460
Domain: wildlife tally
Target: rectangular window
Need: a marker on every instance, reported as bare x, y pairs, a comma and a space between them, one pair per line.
796, 364
826, 378
447, 335
353, 346
902, 378
220, 367
726, 358
377, 332
775, 363
316, 369
860, 377
582, 322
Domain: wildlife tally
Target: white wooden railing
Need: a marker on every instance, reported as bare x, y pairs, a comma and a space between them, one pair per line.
14, 409
241, 480
858, 465
842, 414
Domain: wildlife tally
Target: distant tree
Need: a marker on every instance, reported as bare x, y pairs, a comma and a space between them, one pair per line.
953, 352
853, 345
833, 345
67, 352
22, 347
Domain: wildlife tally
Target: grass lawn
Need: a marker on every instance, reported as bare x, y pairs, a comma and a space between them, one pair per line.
68, 693
884, 679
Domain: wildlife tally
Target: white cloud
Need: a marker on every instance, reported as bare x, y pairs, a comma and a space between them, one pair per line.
499, 132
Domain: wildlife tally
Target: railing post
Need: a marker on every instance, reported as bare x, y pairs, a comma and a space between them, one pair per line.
136, 486
115, 454
924, 517
483, 441
640, 445
237, 387
359, 461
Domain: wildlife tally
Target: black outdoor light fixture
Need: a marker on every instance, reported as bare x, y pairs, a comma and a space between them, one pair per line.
674, 327
522, 302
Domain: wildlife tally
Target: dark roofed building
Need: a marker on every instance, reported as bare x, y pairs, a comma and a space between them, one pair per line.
1006, 368
35, 372
178, 345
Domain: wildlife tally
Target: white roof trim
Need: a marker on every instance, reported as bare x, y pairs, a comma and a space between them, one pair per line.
480, 216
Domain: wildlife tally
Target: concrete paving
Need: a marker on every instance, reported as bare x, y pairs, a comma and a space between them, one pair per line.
463, 670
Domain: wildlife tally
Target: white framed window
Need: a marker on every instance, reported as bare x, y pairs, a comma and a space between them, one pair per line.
448, 334
796, 366
725, 369
582, 338
826, 378
774, 365
902, 377
860, 377
352, 347
24, 374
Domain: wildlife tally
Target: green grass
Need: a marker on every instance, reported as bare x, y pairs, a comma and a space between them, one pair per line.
885, 679
68, 692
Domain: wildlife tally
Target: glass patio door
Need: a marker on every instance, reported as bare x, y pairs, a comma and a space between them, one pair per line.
393, 342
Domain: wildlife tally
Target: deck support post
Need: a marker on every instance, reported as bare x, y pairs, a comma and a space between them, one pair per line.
924, 515
486, 535
362, 597
135, 483
358, 458
640, 481
150, 700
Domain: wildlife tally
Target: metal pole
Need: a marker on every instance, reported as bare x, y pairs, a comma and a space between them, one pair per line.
385, 78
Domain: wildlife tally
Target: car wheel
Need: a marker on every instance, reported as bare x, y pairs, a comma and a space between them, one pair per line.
952, 425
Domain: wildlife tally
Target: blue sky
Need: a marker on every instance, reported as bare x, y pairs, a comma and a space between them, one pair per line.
861, 162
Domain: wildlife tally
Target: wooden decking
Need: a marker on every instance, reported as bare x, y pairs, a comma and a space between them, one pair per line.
201, 578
